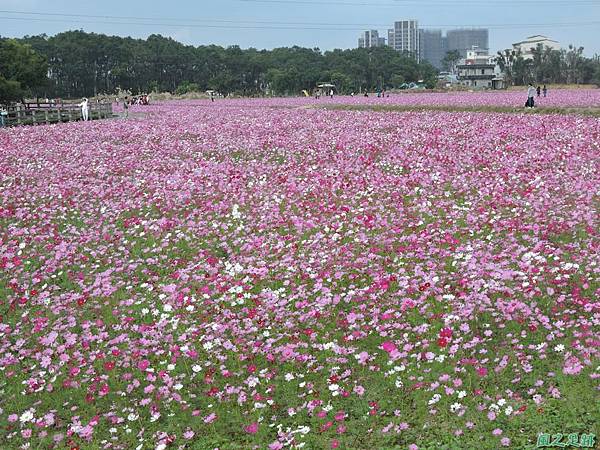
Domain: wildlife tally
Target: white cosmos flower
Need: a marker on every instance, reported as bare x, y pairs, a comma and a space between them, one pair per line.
455, 407
436, 398
27, 416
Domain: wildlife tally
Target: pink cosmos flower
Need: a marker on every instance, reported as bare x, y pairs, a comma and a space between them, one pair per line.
359, 390
189, 434
252, 428
210, 418
389, 346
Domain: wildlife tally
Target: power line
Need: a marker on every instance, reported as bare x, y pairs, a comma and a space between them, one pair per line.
397, 3
230, 24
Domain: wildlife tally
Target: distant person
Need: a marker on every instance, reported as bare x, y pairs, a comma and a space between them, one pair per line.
331, 93
85, 109
126, 107
3, 115
530, 95
212, 97
366, 94
545, 90
539, 91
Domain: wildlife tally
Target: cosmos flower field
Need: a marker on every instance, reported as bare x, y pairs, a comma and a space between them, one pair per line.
559, 98
241, 275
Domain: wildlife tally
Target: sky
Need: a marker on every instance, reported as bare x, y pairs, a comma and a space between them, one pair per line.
324, 24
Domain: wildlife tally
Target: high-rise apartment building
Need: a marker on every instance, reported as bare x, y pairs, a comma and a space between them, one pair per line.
433, 47
370, 39
464, 40
405, 37
427, 45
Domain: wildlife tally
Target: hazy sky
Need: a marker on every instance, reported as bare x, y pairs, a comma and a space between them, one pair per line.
310, 23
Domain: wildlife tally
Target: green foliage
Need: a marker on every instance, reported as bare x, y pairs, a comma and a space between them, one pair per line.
397, 81
450, 61
596, 78
23, 71
186, 87
547, 66
85, 64
9, 90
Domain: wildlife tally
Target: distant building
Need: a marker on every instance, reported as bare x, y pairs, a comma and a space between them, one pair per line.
532, 42
479, 70
463, 40
433, 47
391, 38
405, 37
427, 45
370, 39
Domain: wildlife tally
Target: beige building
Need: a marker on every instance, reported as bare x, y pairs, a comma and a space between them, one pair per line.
479, 70
532, 42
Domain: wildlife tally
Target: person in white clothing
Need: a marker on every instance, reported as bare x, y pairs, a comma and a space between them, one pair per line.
530, 95
85, 109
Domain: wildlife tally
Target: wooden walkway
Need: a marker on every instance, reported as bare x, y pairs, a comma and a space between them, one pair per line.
48, 113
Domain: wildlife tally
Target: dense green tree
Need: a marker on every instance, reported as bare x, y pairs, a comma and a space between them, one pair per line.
10, 90
83, 64
22, 71
547, 66
450, 61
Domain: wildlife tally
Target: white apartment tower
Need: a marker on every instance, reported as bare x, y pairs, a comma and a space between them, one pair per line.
370, 39
405, 38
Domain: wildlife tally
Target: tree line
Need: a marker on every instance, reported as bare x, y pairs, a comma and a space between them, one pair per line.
549, 66
78, 64
85, 64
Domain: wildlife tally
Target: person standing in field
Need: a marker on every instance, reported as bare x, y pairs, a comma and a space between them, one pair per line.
530, 95
545, 90
126, 107
3, 114
85, 109
539, 91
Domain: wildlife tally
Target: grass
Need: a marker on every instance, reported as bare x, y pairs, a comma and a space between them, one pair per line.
589, 112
